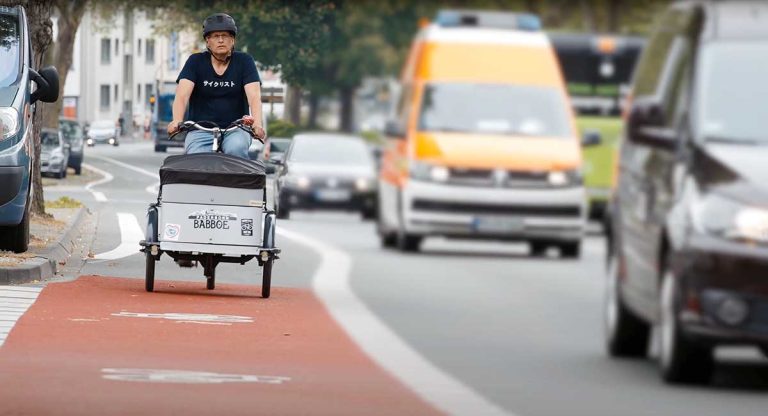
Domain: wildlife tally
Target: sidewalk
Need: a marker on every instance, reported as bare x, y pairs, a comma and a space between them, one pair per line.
52, 240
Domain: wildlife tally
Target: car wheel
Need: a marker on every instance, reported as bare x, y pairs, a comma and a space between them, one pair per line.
59, 174
160, 148
116, 144
16, 237
625, 334
78, 169
408, 242
680, 360
570, 250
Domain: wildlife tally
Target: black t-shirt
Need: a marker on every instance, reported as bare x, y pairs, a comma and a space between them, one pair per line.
219, 98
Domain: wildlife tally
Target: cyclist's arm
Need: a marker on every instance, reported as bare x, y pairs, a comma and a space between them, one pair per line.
183, 92
253, 92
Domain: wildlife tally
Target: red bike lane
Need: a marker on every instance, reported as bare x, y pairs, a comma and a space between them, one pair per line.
102, 345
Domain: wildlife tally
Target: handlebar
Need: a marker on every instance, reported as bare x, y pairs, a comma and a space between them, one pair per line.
218, 132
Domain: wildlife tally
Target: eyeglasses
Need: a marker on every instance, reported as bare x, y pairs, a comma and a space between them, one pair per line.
220, 36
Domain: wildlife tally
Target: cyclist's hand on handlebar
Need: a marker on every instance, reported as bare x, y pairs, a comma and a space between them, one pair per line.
173, 126
259, 132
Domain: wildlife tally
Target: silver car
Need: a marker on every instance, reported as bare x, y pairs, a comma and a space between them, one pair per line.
102, 131
54, 153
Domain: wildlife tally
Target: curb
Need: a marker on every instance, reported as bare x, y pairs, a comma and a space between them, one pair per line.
46, 263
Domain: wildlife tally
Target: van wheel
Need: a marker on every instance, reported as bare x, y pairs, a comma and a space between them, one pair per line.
570, 250
680, 360
625, 334
538, 248
16, 237
407, 242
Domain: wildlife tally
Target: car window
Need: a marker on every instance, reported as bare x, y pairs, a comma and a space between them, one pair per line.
102, 124
49, 139
732, 87
9, 50
330, 151
495, 109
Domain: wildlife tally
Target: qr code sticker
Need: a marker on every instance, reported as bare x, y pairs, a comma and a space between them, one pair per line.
246, 227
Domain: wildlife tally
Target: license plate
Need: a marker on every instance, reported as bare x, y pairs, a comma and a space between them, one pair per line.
498, 225
333, 195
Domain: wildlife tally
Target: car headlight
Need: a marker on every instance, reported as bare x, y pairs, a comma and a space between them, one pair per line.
362, 184
729, 219
427, 172
301, 182
565, 177
9, 122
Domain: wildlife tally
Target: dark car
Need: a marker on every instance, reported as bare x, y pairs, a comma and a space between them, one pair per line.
54, 153
326, 171
74, 136
18, 96
276, 154
688, 246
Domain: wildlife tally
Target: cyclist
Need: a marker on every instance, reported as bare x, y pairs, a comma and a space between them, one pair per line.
220, 86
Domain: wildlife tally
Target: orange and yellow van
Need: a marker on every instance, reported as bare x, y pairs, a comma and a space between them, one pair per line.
483, 141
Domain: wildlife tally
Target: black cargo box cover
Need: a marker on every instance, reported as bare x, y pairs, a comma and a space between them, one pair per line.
214, 169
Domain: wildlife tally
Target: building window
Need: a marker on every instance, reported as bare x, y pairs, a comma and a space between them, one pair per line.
117, 47
150, 51
106, 53
138, 48
104, 97
138, 92
115, 92
147, 91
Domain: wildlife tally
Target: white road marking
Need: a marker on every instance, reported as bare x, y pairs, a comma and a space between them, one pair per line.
188, 317
152, 189
332, 286
186, 377
107, 177
14, 302
130, 234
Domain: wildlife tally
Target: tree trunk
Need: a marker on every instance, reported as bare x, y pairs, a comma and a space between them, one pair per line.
314, 103
40, 30
614, 15
70, 15
347, 96
293, 105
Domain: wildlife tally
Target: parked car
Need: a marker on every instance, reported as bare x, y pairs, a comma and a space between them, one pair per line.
326, 171
73, 135
17, 77
688, 246
54, 153
103, 131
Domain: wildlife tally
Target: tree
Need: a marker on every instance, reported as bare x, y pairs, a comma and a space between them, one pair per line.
40, 30
70, 14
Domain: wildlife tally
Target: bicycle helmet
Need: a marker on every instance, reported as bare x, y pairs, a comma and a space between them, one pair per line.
219, 22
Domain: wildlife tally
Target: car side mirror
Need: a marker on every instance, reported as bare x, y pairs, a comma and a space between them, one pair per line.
47, 81
591, 138
647, 124
393, 130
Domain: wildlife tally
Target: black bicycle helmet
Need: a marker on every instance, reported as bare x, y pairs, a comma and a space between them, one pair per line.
219, 22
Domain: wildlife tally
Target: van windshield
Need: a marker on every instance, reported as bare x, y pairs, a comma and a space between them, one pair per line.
733, 88
9, 52
494, 109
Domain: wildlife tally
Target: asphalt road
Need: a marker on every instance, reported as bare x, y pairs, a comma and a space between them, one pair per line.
460, 324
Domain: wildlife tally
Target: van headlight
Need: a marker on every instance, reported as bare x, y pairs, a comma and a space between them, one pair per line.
301, 182
362, 184
426, 172
9, 122
571, 177
726, 218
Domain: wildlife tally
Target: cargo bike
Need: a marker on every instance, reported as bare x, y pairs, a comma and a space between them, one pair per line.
211, 208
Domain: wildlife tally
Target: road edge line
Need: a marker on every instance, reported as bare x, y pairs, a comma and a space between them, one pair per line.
332, 286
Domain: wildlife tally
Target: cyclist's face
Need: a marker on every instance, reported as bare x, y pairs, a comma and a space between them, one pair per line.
220, 42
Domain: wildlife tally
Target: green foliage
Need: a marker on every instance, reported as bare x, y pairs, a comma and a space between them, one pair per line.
599, 160
280, 128
373, 137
